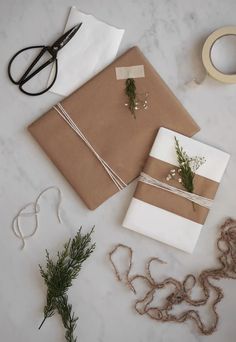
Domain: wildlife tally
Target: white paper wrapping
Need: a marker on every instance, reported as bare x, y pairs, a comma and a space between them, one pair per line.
92, 48
163, 225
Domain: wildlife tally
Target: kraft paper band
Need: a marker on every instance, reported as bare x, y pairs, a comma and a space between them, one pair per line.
206, 55
135, 71
159, 169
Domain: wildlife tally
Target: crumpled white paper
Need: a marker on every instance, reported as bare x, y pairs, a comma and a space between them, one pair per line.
93, 47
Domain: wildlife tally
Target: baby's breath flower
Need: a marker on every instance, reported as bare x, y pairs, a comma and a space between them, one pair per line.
196, 162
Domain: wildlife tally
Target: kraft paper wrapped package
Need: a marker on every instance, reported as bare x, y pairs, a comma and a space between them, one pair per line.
166, 216
98, 110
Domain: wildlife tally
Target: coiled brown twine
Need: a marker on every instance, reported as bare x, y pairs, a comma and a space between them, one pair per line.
226, 244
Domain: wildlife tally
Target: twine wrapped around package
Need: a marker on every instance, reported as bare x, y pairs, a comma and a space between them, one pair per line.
181, 294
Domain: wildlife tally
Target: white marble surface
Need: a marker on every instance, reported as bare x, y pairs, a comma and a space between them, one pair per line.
170, 33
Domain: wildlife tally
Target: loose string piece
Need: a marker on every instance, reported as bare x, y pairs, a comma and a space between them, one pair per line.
210, 295
127, 280
202, 201
120, 184
35, 210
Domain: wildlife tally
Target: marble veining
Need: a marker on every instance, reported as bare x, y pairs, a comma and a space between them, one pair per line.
171, 34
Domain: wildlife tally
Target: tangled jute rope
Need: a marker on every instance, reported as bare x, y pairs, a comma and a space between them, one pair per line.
181, 294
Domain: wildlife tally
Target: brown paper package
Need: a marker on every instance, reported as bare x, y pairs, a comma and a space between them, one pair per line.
98, 109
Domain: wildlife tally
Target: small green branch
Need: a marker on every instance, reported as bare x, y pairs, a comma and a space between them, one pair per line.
58, 277
187, 168
130, 91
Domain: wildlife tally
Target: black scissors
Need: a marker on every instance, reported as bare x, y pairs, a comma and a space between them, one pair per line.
53, 50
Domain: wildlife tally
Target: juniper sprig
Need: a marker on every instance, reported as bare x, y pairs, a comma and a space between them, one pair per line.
187, 175
130, 91
58, 277
187, 167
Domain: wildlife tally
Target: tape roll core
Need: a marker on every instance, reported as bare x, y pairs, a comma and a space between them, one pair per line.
206, 55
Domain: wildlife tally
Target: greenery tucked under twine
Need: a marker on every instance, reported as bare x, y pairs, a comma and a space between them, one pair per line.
187, 168
58, 277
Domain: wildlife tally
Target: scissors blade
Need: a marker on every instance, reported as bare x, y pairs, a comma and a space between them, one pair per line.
66, 37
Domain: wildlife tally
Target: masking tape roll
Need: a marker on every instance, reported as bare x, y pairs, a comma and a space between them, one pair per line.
206, 55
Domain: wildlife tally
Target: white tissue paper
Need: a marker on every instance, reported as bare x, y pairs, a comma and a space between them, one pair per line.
93, 47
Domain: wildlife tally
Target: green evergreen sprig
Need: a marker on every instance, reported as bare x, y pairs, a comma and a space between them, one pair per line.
58, 277
187, 174
187, 168
130, 91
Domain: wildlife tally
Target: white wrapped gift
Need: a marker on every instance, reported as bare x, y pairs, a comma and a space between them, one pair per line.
163, 214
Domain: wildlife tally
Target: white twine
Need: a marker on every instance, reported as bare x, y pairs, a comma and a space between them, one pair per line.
120, 184
16, 226
202, 201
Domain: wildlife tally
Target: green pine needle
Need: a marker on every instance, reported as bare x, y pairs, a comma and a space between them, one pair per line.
187, 175
58, 277
187, 167
130, 91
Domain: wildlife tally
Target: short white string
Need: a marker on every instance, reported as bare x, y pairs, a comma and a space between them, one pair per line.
202, 201
16, 226
120, 184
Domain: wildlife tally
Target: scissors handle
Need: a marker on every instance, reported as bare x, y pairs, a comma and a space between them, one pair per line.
28, 74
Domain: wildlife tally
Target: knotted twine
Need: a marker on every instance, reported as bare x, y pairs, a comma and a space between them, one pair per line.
23, 212
226, 245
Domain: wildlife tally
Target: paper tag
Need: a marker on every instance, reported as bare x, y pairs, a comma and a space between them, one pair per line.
135, 71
